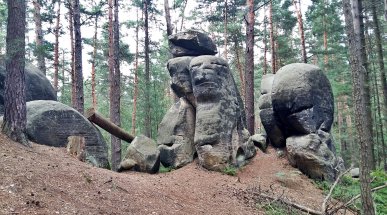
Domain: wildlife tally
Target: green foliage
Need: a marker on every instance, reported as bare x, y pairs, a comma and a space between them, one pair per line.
230, 170
164, 169
276, 208
348, 188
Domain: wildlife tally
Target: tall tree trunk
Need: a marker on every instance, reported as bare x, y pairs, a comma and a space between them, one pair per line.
39, 37
225, 29
78, 58
362, 123
63, 76
272, 43
265, 43
379, 50
379, 121
115, 79
343, 142
56, 49
167, 18
15, 111
385, 10
148, 126
249, 65
239, 66
72, 50
135, 94
301, 29
93, 84
367, 90
183, 14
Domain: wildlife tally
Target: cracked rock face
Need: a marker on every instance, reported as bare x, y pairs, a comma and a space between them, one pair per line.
302, 98
220, 138
191, 43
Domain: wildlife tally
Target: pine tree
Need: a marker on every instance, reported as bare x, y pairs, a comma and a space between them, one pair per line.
15, 114
78, 76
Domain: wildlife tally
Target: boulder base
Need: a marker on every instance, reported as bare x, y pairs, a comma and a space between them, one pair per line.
312, 155
51, 123
142, 155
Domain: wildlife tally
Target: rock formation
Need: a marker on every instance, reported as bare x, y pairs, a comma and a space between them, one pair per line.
297, 112
208, 118
52, 123
38, 87
141, 155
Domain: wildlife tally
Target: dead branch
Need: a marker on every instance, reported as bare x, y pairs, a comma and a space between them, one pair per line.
292, 204
324, 205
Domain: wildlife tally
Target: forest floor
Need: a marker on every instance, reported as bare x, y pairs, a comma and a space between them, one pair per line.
46, 180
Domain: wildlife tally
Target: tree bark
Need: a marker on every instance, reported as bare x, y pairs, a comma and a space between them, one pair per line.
15, 111
364, 62
72, 50
39, 37
78, 58
265, 43
225, 30
301, 29
240, 68
135, 94
108, 126
167, 18
148, 125
93, 83
362, 123
382, 72
249, 65
56, 49
272, 43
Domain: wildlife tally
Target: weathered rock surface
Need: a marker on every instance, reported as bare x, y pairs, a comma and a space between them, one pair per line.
355, 172
259, 141
267, 83
51, 123
38, 87
312, 155
176, 135
191, 43
302, 98
220, 138
274, 132
142, 155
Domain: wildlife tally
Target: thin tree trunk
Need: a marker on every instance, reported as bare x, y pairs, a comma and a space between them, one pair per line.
249, 65
39, 37
78, 58
382, 72
93, 84
56, 49
115, 91
183, 14
148, 126
71, 28
367, 90
114, 164
15, 111
301, 29
385, 10
362, 123
225, 29
239, 66
63, 76
265, 43
380, 122
134, 113
272, 44
167, 18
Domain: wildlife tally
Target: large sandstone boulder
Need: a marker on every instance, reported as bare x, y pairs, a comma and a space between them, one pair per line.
38, 87
191, 43
176, 135
141, 155
51, 123
302, 98
313, 155
220, 138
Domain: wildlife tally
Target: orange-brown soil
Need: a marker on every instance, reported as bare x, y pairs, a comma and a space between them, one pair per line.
45, 180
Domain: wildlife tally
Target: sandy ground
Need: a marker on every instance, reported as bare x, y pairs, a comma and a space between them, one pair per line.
45, 180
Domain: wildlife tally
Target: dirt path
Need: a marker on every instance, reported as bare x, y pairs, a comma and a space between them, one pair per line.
45, 180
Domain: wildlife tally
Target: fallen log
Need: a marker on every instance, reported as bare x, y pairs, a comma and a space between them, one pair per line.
108, 126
